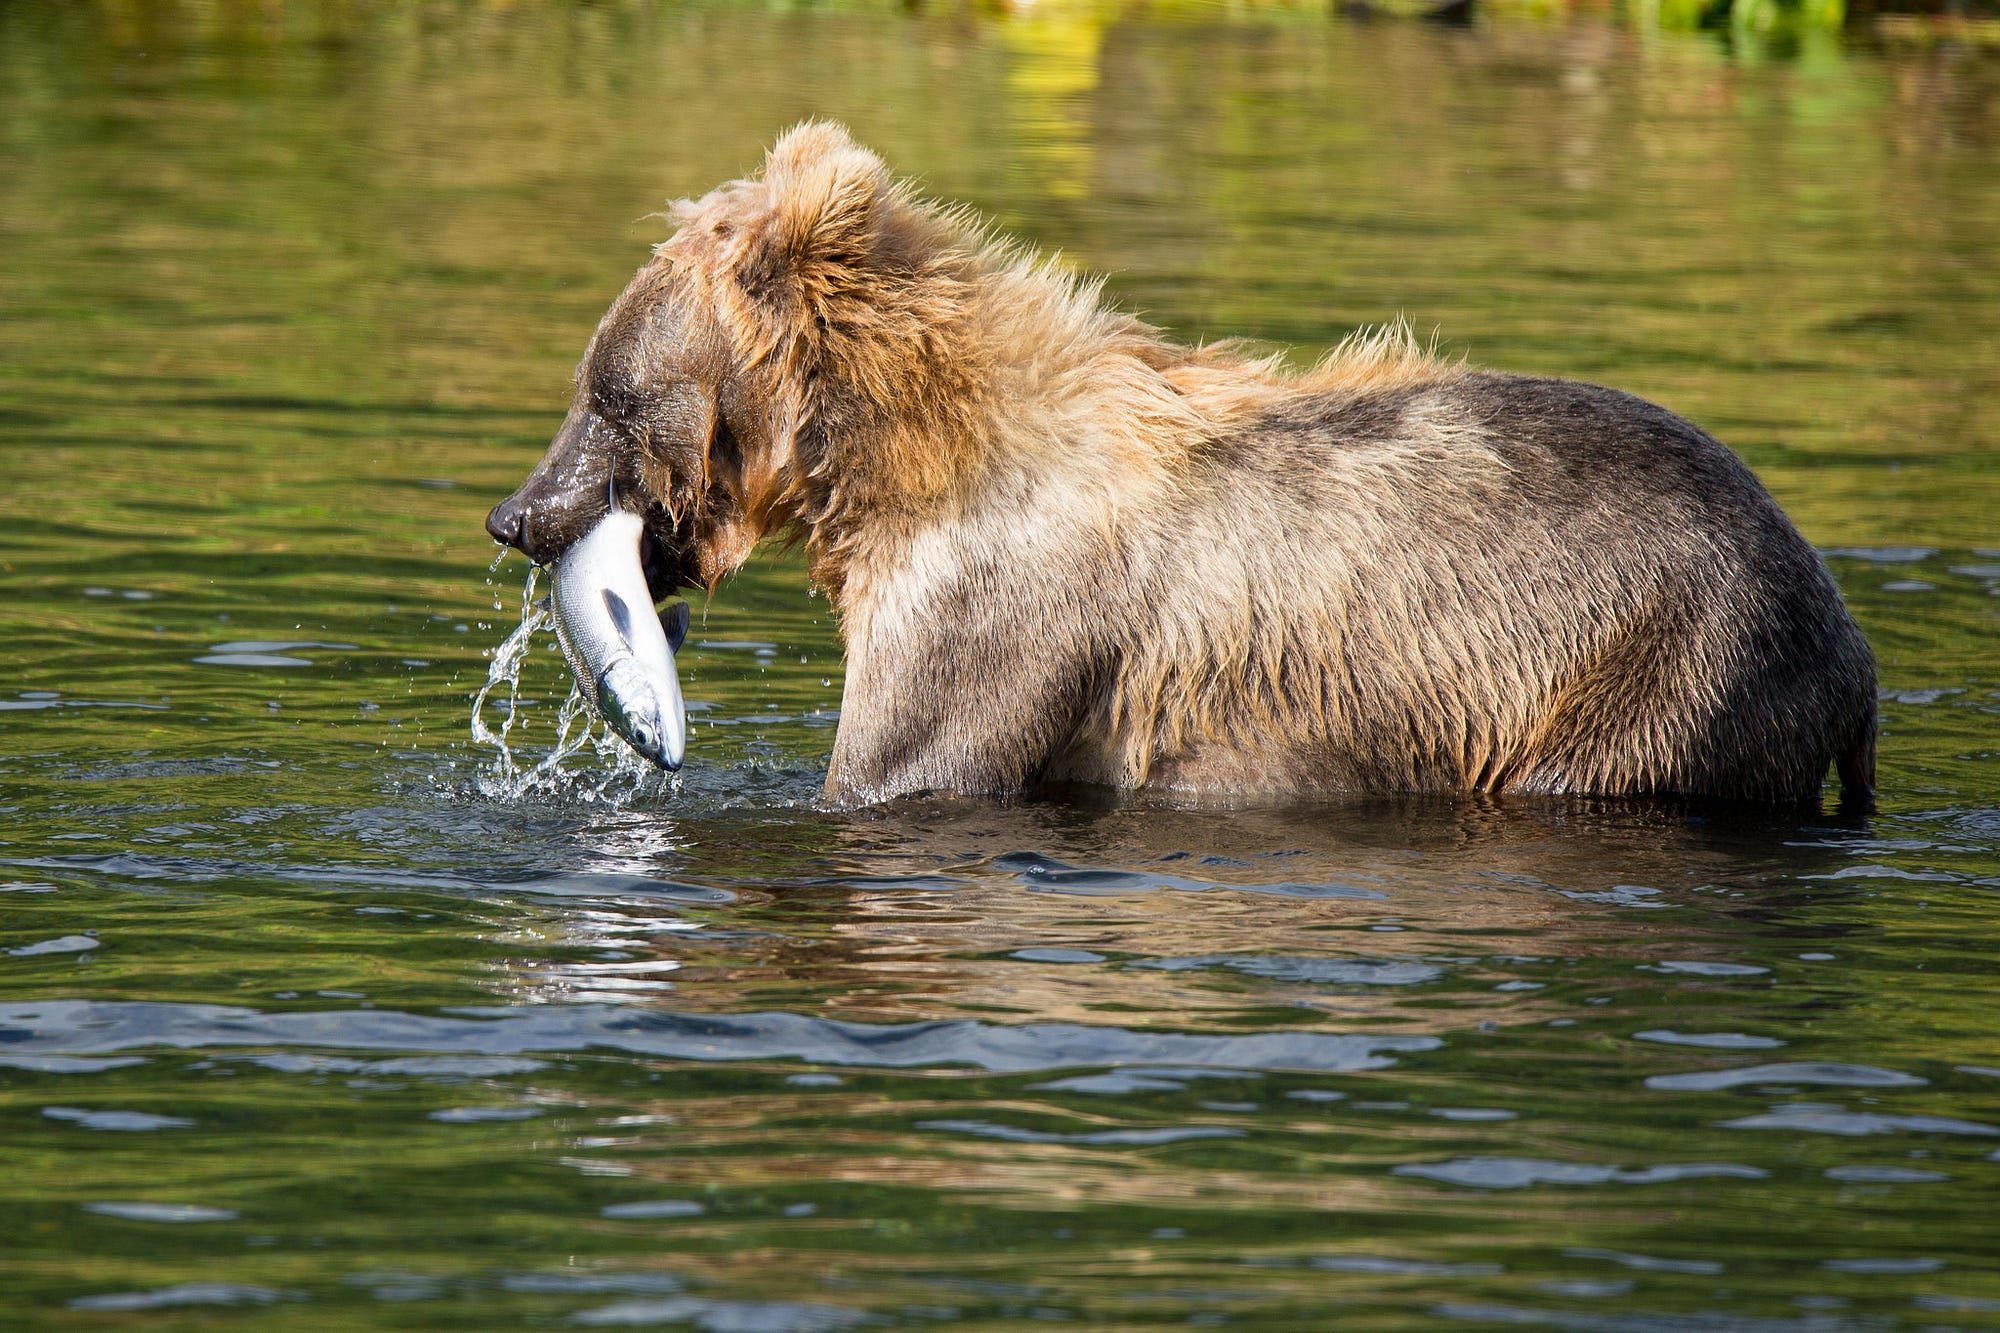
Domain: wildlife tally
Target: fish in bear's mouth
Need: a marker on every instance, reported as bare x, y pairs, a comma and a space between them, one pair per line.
620, 650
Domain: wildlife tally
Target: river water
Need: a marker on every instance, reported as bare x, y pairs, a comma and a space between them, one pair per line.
314, 1016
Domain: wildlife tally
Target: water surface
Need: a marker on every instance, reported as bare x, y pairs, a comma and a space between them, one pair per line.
311, 1016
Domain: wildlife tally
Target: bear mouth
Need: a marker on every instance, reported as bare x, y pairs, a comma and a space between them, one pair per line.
663, 561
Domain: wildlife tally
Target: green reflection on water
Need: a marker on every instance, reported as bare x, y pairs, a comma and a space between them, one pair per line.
291, 296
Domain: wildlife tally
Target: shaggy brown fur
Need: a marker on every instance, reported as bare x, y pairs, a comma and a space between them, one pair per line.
1064, 547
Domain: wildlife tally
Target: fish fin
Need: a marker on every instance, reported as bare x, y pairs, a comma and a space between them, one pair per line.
621, 616
674, 620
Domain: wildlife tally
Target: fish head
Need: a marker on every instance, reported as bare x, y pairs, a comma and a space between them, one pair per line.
634, 709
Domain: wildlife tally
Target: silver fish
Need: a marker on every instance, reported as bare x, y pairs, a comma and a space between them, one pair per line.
621, 651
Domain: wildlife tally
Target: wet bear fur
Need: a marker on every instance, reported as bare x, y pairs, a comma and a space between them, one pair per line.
1065, 548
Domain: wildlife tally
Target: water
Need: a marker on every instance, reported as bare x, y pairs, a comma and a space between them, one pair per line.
314, 1014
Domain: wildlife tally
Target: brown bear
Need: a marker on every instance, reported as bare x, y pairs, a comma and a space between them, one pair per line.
1065, 548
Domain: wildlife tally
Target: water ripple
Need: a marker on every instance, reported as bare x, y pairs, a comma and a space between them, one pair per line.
187, 1293
986, 1129
1817, 1119
1044, 874
1508, 1173
1386, 1267
126, 1122
1312, 971
1719, 1041
1804, 1071
87, 1027
1699, 1321
140, 1211
720, 1316
1646, 1263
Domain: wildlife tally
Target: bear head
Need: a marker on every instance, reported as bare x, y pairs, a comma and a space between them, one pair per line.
770, 365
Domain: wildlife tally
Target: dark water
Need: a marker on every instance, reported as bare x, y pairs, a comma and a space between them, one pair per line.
310, 1017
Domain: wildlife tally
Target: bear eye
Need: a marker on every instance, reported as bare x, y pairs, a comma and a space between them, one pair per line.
628, 417
613, 398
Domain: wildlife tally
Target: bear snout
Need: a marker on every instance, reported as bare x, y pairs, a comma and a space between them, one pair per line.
503, 521
539, 531
564, 496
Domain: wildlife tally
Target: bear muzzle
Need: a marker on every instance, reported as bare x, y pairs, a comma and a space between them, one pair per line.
564, 496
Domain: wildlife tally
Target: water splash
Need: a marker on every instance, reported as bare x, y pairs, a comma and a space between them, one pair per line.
505, 669
614, 773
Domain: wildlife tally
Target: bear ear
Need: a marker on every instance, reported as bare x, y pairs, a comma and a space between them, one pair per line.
825, 194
